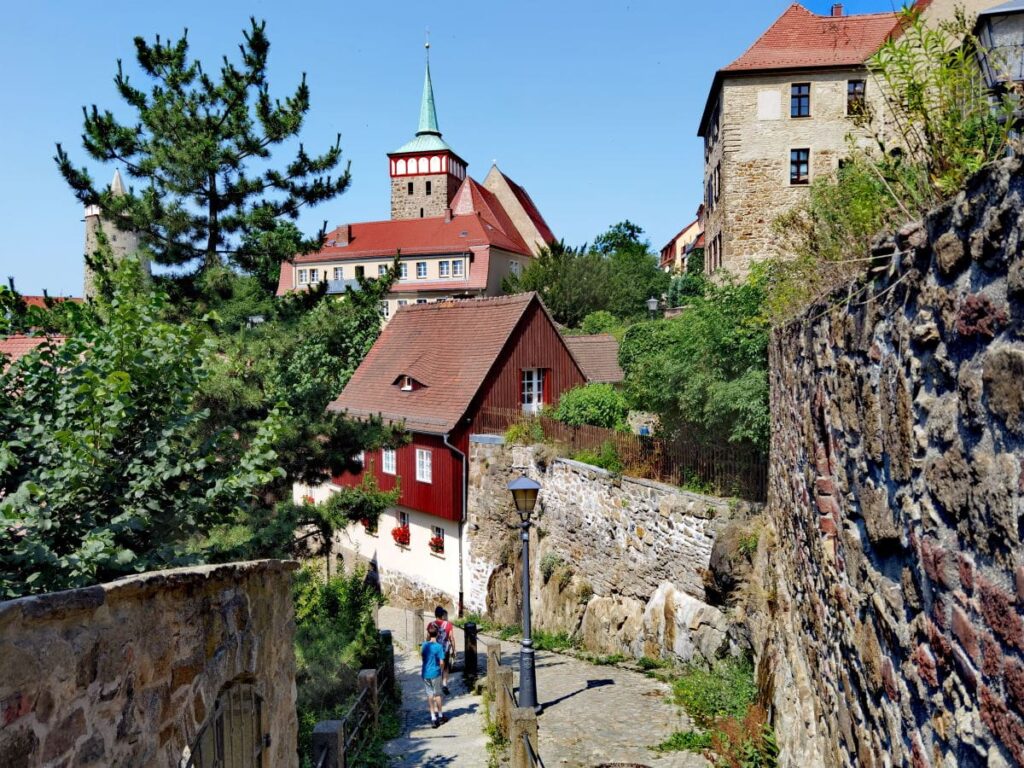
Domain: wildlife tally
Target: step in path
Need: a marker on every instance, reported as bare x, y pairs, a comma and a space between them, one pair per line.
593, 715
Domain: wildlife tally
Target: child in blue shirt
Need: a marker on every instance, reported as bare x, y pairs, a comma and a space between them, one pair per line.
433, 665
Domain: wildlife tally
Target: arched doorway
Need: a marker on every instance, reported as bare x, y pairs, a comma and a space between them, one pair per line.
232, 736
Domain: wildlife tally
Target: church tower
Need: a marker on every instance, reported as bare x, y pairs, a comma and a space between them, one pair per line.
425, 172
121, 243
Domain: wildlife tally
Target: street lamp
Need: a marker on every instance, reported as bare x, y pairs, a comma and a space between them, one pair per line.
1000, 33
652, 306
524, 493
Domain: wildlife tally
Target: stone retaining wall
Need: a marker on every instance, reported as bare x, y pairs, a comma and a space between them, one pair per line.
894, 625
126, 673
620, 561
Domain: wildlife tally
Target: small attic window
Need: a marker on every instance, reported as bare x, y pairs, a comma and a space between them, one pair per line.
463, 233
407, 383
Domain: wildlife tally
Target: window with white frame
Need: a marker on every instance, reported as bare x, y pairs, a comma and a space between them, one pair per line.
424, 468
421, 301
533, 390
339, 273
403, 271
458, 268
421, 270
361, 458
314, 275
437, 539
515, 268
303, 276
402, 302
382, 269
385, 310
387, 461
403, 519
444, 268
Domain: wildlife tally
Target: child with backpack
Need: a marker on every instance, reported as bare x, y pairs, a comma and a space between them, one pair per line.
434, 665
446, 637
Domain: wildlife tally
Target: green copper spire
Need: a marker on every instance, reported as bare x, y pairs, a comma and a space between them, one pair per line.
428, 114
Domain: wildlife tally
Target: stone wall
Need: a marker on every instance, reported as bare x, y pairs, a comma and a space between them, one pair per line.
125, 673
406, 206
622, 562
893, 631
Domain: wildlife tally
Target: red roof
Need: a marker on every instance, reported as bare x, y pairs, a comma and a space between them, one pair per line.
40, 301
800, 39
14, 348
448, 348
473, 197
598, 356
531, 210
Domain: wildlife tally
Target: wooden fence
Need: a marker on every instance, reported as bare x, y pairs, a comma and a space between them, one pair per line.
722, 469
518, 725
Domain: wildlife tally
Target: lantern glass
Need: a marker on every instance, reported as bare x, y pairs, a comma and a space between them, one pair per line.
652, 304
524, 493
1001, 38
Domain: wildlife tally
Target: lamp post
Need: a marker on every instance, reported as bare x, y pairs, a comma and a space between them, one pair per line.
524, 493
1000, 33
652, 306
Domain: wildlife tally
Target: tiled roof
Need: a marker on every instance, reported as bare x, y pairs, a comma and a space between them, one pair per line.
448, 347
473, 197
40, 301
16, 347
801, 39
598, 356
531, 210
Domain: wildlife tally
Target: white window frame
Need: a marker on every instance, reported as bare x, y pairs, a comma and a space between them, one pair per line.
339, 273
407, 383
403, 271
444, 268
403, 519
403, 302
515, 268
303, 276
385, 309
382, 269
388, 461
424, 465
531, 392
314, 275
421, 270
361, 458
458, 268
436, 531
421, 301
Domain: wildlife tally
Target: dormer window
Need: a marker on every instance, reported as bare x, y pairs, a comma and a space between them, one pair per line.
407, 383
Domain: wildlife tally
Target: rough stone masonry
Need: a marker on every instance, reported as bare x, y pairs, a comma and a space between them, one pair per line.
126, 673
894, 626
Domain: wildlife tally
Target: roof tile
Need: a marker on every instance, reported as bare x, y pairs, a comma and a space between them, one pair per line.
598, 356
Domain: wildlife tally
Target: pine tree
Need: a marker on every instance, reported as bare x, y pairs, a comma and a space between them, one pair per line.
200, 150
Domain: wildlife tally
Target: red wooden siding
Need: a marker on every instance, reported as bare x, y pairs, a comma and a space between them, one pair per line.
535, 343
442, 497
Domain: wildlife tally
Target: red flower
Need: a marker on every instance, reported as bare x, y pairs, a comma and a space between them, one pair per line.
307, 499
401, 535
436, 544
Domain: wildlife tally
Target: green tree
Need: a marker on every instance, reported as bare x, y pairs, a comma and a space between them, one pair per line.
102, 469
200, 148
705, 372
601, 321
634, 275
571, 281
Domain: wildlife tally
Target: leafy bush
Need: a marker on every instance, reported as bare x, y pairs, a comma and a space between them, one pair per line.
685, 741
601, 321
684, 287
549, 564
724, 690
335, 637
526, 432
599, 405
607, 459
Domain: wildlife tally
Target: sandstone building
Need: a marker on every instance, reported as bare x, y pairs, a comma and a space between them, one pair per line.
777, 118
457, 238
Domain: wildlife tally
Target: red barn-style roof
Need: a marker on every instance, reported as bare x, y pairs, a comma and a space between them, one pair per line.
446, 348
801, 40
13, 348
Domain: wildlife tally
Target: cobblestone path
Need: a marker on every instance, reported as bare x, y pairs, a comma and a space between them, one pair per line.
593, 715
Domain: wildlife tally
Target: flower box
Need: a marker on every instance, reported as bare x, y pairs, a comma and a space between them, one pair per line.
401, 535
436, 545
370, 526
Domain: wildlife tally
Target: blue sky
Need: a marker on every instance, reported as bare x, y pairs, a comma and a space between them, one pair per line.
592, 106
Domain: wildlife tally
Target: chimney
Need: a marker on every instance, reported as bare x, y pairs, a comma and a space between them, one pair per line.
344, 234
448, 215
837, 9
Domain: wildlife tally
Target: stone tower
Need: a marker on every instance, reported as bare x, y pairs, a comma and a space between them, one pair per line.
425, 172
121, 243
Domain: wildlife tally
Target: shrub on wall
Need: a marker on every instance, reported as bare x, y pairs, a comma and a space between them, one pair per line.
598, 405
601, 321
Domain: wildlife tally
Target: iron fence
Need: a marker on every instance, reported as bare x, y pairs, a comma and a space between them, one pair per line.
531, 752
739, 470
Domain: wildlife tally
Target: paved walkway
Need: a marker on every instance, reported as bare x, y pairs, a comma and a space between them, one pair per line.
459, 743
593, 715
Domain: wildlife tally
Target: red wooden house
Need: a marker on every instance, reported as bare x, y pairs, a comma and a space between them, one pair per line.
433, 369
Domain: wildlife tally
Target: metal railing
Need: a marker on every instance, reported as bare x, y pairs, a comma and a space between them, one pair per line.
531, 752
